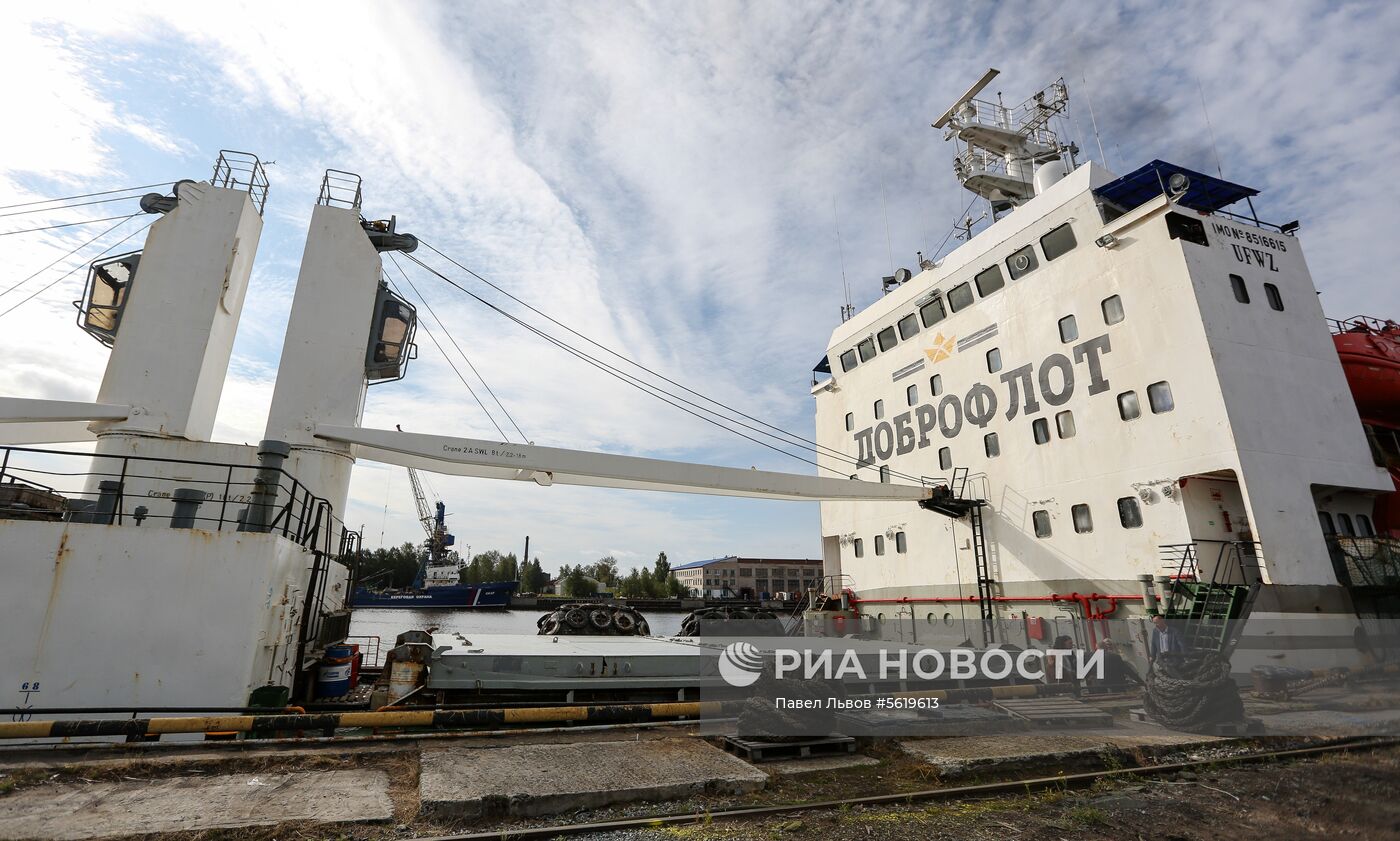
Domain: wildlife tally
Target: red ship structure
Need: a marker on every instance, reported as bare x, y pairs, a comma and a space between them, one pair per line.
1369, 349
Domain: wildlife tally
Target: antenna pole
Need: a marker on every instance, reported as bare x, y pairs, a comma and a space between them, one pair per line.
1214, 148
884, 208
1089, 98
846, 310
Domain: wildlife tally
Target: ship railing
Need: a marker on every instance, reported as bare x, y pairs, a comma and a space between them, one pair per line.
242, 171
1365, 561
157, 492
1025, 119
1363, 324
372, 650
341, 189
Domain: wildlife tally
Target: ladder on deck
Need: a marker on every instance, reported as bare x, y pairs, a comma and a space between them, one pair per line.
951, 500
1209, 604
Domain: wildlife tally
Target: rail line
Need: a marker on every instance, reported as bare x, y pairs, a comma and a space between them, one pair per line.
954, 792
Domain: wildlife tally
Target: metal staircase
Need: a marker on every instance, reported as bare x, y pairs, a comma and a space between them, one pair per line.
1213, 585
951, 500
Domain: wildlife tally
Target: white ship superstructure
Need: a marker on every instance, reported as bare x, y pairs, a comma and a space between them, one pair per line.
1114, 379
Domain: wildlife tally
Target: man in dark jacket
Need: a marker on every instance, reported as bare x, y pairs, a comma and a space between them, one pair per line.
1163, 639
1117, 672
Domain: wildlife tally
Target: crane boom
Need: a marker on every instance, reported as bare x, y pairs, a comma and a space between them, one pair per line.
425, 515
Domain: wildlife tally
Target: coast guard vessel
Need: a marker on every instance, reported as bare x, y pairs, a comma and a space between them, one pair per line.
1127, 399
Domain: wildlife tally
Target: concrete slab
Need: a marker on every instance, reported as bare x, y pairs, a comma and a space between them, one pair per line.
1334, 723
960, 756
71, 811
545, 779
794, 767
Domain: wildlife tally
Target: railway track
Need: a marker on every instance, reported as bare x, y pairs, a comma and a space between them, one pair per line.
1018, 786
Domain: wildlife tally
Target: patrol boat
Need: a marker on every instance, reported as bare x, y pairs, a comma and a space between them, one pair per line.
1126, 396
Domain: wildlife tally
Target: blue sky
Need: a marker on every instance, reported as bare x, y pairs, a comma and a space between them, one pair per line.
661, 177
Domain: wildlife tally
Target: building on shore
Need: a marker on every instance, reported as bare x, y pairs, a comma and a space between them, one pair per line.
749, 578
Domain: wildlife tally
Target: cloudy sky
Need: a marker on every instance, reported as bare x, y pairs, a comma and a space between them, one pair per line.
662, 177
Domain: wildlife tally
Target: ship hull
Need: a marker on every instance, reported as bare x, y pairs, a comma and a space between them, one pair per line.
465, 596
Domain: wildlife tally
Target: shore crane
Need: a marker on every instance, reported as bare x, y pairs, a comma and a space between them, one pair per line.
434, 522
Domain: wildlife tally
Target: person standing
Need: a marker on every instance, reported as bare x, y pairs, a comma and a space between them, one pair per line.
1163, 639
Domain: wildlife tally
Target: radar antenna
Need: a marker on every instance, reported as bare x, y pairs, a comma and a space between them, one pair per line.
1007, 155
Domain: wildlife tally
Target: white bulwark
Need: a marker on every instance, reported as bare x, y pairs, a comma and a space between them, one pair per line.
1127, 379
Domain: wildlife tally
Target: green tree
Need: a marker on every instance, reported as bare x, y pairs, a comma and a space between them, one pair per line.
662, 570
632, 587
577, 584
674, 588
395, 566
532, 577
605, 571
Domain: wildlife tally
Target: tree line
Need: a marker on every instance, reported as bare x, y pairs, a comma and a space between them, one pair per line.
396, 566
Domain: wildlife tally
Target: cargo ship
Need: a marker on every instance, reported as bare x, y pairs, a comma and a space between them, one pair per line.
1124, 391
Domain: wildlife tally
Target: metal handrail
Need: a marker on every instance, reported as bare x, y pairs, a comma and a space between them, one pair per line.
1364, 324
242, 171
306, 518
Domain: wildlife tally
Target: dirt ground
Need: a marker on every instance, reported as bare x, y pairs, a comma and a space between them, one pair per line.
1334, 796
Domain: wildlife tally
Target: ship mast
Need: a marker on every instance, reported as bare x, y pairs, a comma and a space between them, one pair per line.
1007, 155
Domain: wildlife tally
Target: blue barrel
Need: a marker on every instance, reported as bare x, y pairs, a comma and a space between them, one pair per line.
333, 677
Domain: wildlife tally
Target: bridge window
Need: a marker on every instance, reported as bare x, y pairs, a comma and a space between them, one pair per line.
911, 394
887, 338
991, 444
1364, 527
879, 544
901, 544
935, 385
1275, 300
1069, 330
1344, 525
1325, 520
932, 312
1241, 291
885, 474
989, 280
859, 546
848, 360
960, 297
850, 421
1129, 512
945, 458
1058, 242
879, 409
1112, 309
1159, 397
908, 326
1184, 227
1041, 520
1022, 262
1040, 428
1128, 405
867, 350
1083, 520
994, 360
1064, 424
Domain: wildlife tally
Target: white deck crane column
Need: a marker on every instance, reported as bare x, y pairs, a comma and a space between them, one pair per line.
171, 353
321, 378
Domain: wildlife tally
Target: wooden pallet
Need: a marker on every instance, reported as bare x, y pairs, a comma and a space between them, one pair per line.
1055, 712
756, 751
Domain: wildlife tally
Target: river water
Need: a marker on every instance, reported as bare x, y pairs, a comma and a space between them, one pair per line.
387, 623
